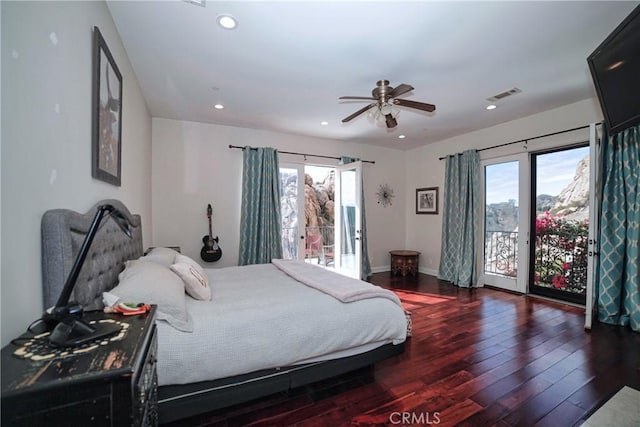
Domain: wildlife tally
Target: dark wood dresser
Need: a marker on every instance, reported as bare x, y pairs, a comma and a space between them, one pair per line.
113, 384
404, 262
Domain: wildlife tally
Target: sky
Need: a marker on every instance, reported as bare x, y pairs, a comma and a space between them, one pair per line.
554, 172
318, 173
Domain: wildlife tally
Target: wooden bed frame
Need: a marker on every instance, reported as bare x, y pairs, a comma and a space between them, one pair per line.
181, 401
62, 234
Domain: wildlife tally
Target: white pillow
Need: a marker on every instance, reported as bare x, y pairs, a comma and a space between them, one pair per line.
152, 283
160, 255
183, 259
194, 282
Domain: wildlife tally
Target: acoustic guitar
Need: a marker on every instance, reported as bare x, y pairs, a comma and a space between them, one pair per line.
211, 251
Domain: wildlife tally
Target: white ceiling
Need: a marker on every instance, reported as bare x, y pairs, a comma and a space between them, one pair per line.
287, 63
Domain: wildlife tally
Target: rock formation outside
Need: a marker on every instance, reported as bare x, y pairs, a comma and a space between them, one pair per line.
319, 210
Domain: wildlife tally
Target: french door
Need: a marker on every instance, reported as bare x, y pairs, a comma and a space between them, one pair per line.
321, 222
292, 218
539, 222
594, 221
560, 227
348, 199
505, 183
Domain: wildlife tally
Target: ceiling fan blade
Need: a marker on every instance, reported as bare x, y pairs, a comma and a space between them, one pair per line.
357, 113
358, 97
415, 104
400, 90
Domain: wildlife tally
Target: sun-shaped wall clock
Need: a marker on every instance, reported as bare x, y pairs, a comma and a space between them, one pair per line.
385, 195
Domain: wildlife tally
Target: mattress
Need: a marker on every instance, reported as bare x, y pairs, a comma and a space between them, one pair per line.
261, 318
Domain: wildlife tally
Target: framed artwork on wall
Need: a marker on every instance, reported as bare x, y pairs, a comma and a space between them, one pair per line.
106, 148
427, 200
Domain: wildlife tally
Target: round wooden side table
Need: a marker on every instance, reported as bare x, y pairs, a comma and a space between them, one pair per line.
404, 262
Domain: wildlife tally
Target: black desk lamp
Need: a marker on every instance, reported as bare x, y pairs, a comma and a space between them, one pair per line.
65, 320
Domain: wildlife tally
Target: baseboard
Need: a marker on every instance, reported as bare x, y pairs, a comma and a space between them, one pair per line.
429, 271
381, 269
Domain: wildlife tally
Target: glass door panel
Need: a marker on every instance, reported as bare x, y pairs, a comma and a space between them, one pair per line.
319, 214
504, 217
292, 222
307, 213
560, 226
348, 247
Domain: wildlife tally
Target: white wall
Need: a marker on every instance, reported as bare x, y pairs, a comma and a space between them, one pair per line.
424, 169
193, 166
46, 133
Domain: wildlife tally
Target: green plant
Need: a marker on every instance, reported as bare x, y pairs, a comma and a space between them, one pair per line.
561, 253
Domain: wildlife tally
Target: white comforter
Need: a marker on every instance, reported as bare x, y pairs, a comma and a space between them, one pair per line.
261, 318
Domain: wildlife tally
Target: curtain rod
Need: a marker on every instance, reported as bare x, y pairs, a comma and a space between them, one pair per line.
529, 139
303, 154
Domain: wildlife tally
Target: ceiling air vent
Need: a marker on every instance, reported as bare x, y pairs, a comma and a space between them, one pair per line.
504, 94
202, 3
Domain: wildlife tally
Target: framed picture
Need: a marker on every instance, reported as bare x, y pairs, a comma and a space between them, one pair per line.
106, 148
427, 200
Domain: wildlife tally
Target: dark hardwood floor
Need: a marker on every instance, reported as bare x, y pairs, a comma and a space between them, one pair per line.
477, 357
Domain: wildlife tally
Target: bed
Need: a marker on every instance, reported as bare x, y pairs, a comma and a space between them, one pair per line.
262, 331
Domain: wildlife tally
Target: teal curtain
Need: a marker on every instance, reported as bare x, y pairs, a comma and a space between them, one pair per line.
260, 229
460, 219
619, 262
366, 264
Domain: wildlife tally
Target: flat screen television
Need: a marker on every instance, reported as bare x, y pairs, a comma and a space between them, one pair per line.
615, 69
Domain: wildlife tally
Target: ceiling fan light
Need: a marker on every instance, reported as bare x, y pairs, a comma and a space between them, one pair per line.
386, 108
391, 121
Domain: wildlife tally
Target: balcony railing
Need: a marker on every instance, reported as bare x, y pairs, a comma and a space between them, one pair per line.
500, 252
560, 260
291, 239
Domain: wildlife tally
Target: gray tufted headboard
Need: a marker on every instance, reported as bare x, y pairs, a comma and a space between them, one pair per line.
63, 232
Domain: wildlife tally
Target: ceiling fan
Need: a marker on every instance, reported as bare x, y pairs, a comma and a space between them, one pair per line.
385, 98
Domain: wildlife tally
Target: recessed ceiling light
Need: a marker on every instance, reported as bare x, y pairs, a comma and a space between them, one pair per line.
491, 107
324, 123
401, 136
227, 22
218, 106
